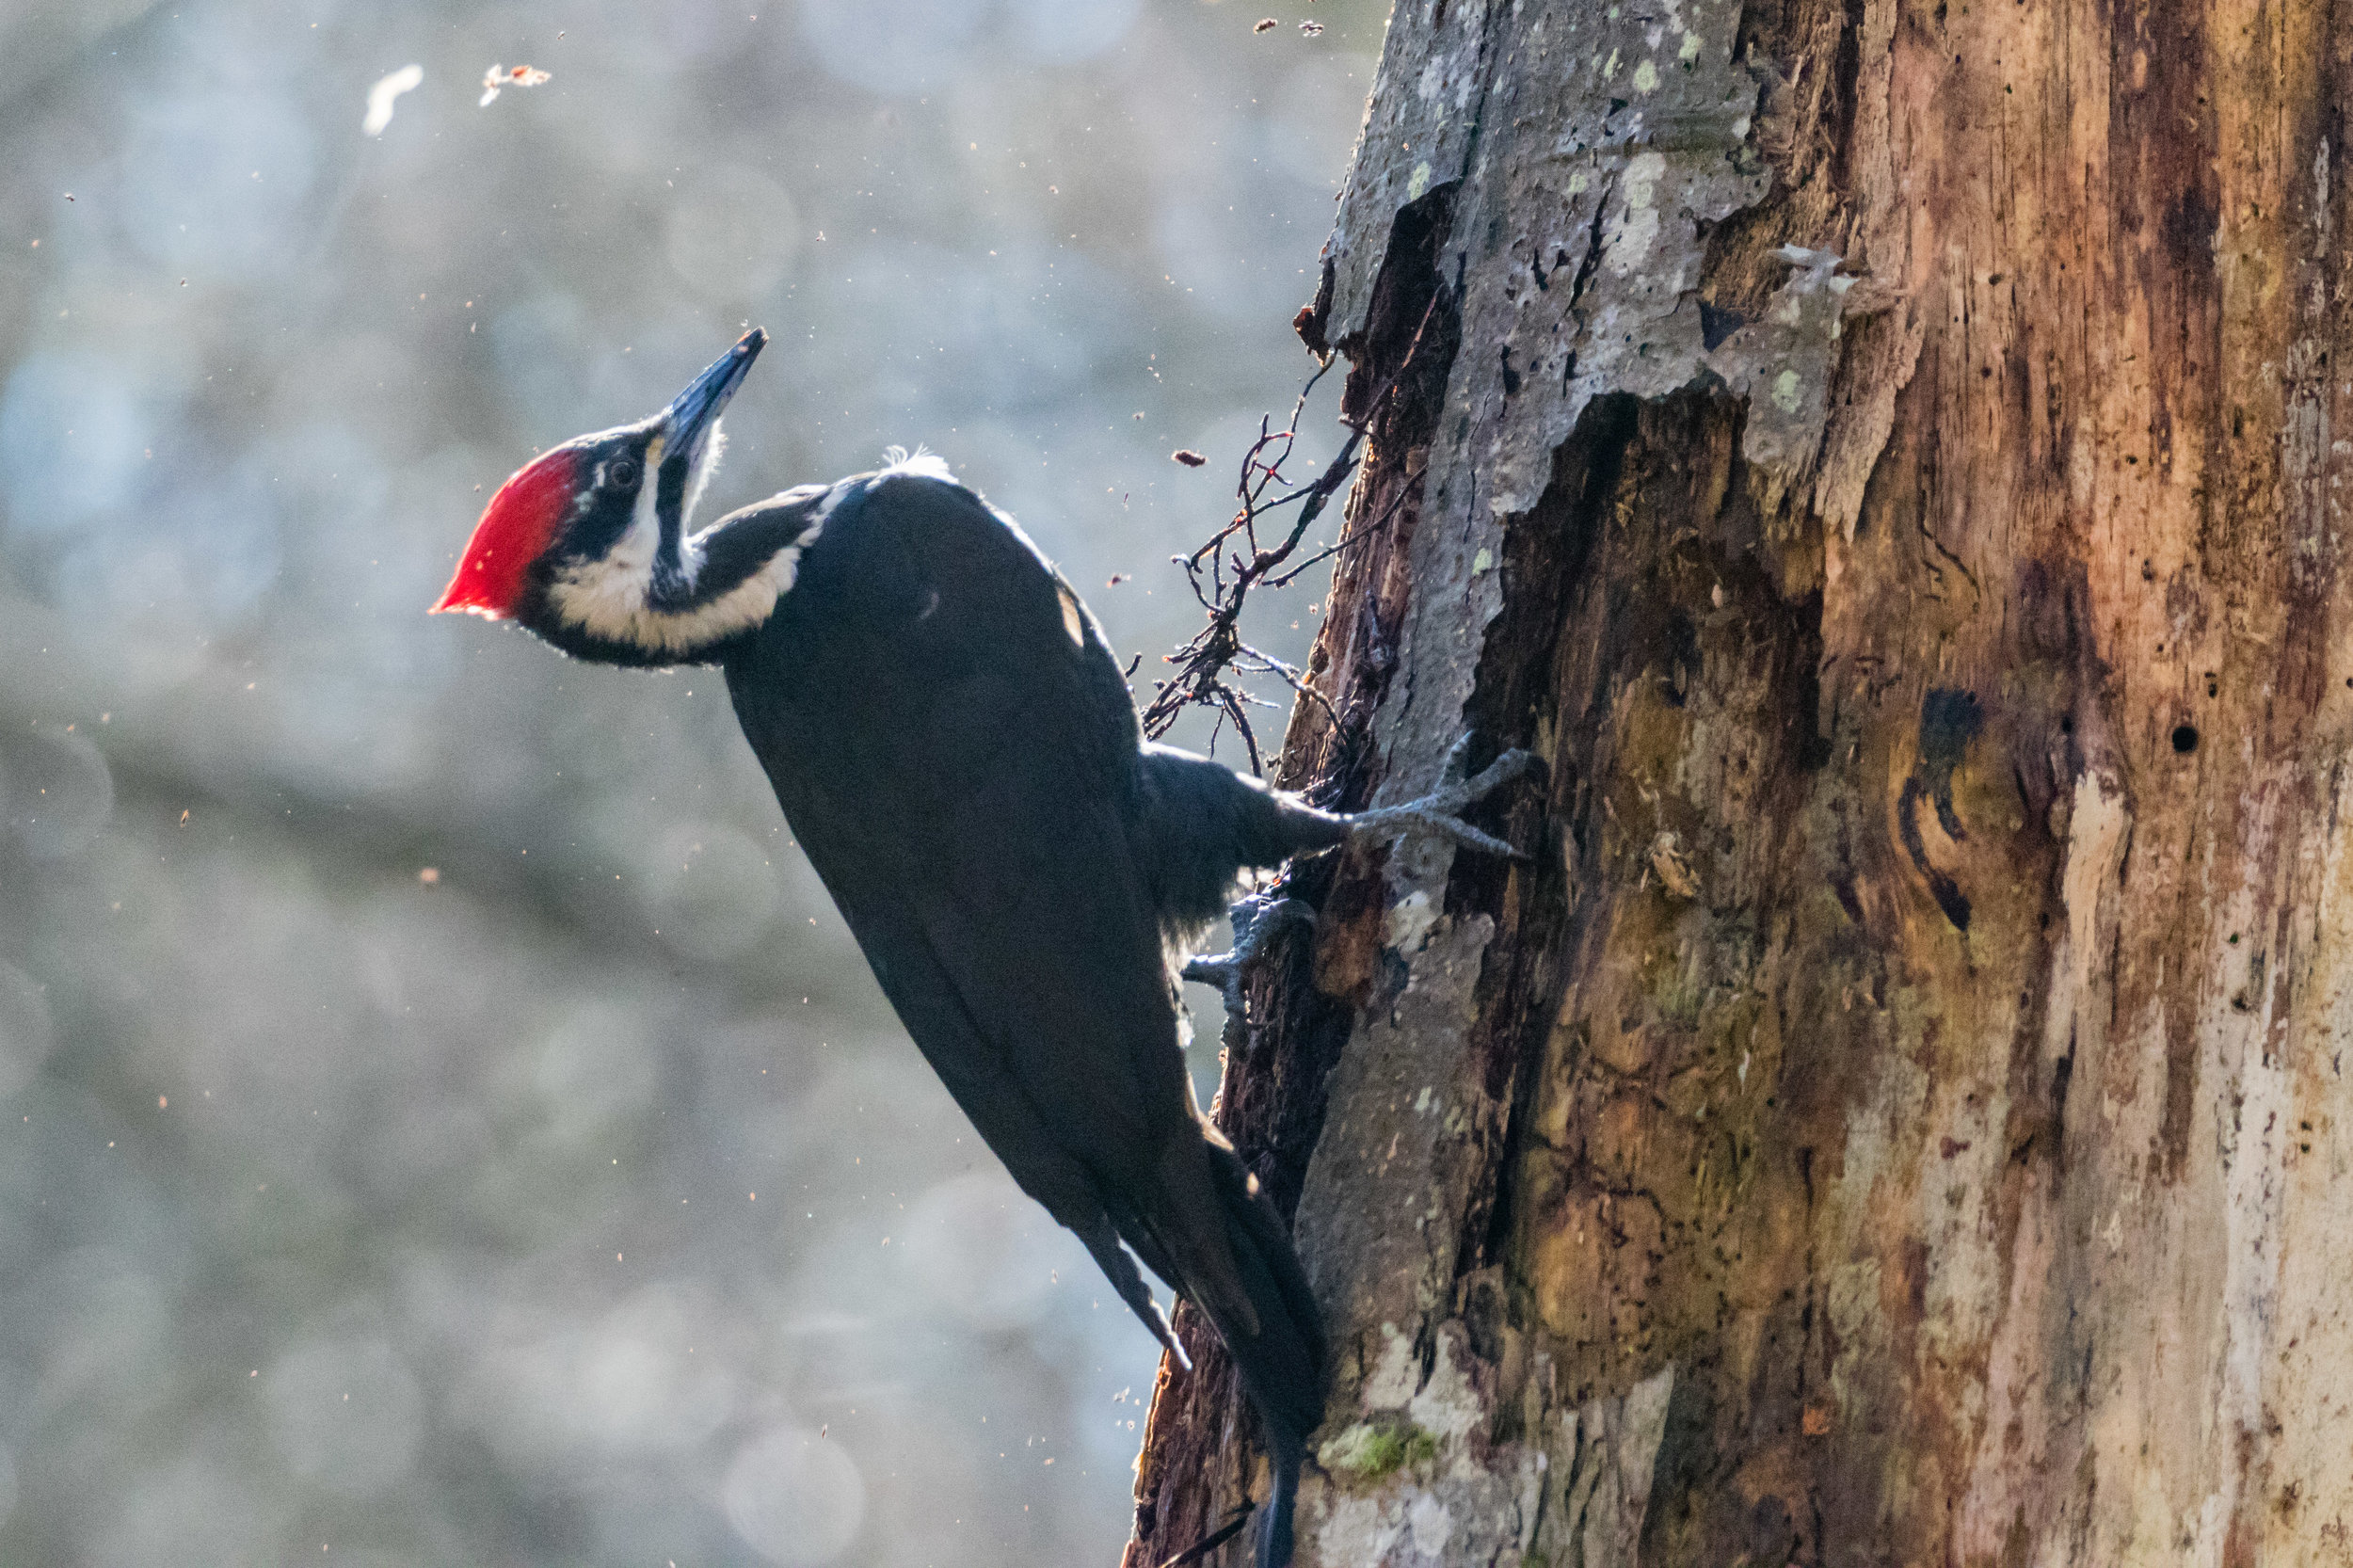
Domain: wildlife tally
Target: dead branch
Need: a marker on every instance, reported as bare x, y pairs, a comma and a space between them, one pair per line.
1236, 559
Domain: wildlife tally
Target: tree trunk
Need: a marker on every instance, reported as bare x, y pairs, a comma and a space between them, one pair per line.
1882, 457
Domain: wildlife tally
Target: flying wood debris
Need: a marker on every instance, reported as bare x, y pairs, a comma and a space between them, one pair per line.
1266, 24
1188, 456
499, 76
381, 97
1311, 28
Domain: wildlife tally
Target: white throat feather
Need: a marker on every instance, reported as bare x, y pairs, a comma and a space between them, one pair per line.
608, 598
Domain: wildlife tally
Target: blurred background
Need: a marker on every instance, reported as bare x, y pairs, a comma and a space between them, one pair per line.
442, 1118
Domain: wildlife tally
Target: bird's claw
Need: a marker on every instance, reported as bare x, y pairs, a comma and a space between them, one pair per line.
1457, 763
1257, 920
1440, 810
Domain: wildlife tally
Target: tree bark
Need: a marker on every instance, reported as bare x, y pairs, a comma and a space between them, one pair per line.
1882, 456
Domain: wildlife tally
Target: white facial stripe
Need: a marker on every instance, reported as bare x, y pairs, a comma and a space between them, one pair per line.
636, 549
631, 555
602, 599
607, 598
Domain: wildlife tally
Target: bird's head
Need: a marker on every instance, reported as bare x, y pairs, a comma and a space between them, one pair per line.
588, 540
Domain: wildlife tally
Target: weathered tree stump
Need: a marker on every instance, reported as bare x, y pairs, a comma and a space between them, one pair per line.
1883, 458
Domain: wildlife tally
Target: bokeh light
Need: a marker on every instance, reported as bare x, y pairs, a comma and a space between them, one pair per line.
442, 1119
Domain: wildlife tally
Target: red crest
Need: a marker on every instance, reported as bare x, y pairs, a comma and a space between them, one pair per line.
516, 530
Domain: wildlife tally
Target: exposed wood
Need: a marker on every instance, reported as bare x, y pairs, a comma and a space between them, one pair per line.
1885, 464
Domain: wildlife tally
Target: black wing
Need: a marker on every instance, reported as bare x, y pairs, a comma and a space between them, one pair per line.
956, 752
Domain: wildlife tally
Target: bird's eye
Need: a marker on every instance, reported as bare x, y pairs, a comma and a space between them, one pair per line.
623, 472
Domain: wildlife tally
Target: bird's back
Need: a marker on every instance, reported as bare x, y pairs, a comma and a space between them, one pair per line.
956, 752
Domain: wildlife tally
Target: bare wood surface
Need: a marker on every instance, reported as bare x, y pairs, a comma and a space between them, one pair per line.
1886, 464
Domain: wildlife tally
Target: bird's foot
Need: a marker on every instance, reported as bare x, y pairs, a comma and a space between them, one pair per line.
1258, 920
1440, 810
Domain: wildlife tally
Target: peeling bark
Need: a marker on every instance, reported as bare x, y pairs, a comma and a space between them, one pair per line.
1882, 456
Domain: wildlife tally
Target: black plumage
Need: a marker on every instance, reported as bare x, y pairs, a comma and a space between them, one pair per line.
957, 752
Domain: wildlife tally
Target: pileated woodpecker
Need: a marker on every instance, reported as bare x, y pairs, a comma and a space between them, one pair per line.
954, 747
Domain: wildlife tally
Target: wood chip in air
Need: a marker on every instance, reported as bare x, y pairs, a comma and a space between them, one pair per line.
1188, 456
1266, 26
499, 76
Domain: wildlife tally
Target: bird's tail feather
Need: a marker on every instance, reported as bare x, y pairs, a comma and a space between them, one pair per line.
1102, 1241
1282, 1362
1274, 1522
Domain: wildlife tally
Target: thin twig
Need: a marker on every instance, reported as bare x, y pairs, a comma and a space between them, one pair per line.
1222, 577
1296, 680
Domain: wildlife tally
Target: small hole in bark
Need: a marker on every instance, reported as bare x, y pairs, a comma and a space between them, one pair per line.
2184, 738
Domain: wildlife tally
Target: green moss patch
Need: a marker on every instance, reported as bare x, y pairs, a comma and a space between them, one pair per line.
1365, 1454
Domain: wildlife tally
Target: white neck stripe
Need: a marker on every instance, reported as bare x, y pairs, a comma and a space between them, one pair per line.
607, 598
